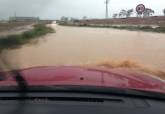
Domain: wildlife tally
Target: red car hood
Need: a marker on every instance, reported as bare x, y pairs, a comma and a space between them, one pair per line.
67, 75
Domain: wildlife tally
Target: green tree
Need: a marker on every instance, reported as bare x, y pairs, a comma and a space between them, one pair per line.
123, 13
148, 12
129, 12
115, 15
164, 12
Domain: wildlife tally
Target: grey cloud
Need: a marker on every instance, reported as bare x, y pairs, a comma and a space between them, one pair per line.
23, 7
71, 8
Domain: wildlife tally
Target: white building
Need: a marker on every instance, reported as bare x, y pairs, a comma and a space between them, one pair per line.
24, 19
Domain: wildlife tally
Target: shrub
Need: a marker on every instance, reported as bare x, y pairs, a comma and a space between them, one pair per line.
17, 40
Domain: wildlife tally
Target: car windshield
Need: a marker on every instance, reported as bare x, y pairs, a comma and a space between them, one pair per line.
126, 38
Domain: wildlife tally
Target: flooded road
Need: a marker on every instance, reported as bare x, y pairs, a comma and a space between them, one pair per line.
74, 46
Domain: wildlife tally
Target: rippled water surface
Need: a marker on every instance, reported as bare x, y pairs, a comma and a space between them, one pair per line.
74, 46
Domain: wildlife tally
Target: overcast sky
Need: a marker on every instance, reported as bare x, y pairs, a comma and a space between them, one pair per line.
54, 9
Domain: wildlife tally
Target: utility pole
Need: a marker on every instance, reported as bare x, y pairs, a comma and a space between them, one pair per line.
106, 12
15, 16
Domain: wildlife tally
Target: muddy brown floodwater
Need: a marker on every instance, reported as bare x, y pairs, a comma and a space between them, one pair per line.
75, 46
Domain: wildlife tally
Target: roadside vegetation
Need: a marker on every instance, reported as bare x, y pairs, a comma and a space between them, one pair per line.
13, 41
130, 28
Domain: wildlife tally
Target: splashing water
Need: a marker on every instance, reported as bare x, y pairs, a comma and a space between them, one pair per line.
132, 65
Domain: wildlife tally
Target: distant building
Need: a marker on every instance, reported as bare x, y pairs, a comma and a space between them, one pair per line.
24, 19
3, 21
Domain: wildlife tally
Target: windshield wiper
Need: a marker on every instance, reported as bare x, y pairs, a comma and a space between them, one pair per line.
20, 80
22, 84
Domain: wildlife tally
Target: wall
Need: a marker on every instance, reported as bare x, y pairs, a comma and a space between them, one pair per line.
155, 20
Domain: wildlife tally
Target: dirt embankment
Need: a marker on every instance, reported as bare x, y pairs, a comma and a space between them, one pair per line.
155, 20
14, 28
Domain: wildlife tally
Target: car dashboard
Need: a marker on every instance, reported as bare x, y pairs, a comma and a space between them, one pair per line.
77, 103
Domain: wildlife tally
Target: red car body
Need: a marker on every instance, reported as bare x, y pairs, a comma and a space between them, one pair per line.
81, 76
